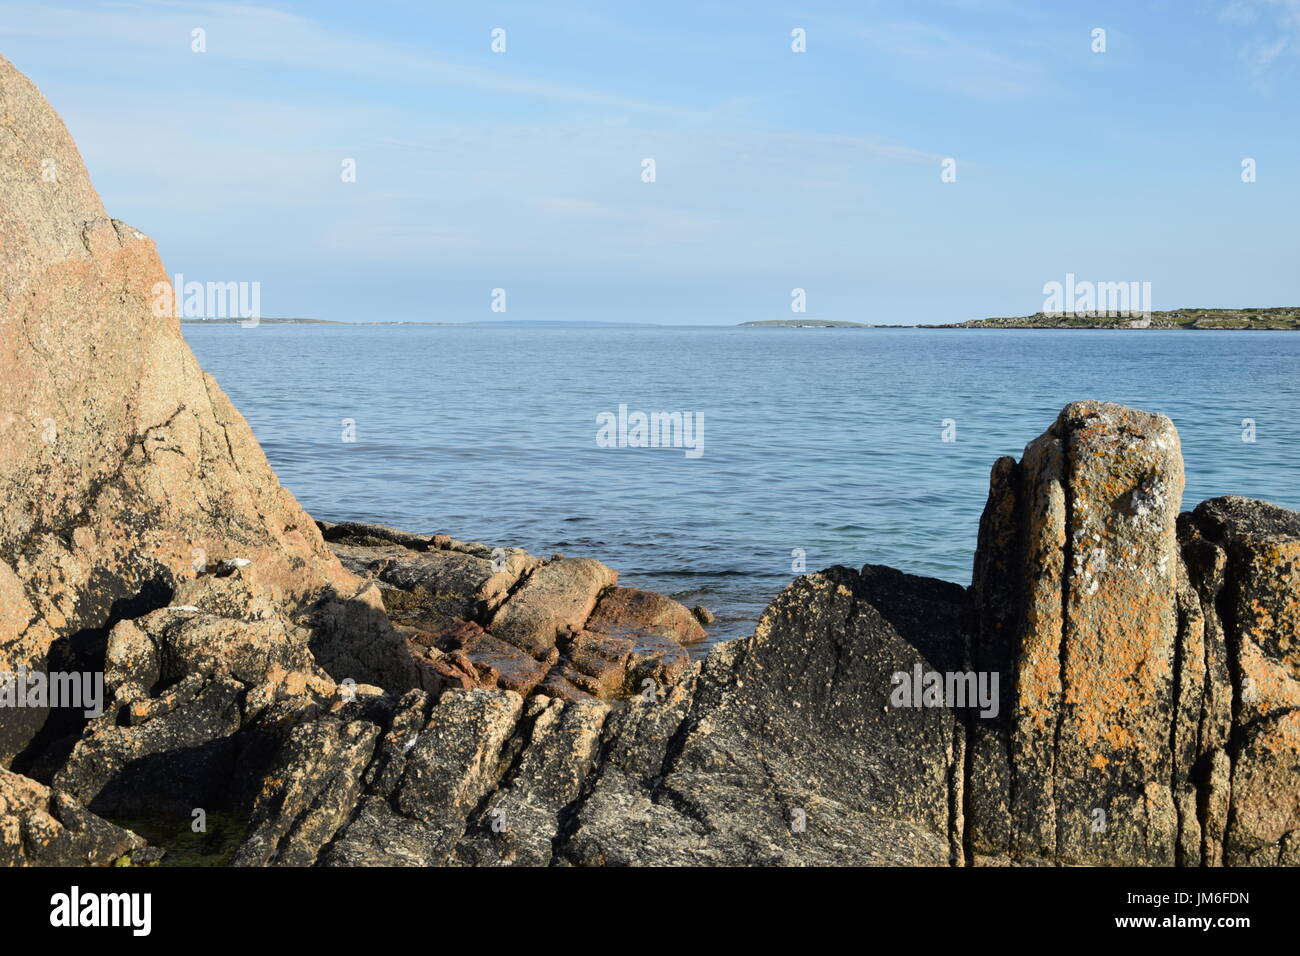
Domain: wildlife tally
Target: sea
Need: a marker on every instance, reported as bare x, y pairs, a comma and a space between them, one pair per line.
715, 464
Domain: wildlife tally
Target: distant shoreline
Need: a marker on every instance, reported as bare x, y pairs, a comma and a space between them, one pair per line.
305, 322
490, 324
1270, 319
1285, 319
806, 324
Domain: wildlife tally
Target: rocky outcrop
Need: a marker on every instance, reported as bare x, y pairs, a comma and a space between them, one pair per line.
1239, 719
736, 764
483, 617
124, 470
1118, 686
1076, 584
1152, 658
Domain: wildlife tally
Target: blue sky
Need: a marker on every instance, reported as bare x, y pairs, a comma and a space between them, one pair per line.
774, 170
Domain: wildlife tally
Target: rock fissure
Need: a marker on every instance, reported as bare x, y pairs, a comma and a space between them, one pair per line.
1068, 572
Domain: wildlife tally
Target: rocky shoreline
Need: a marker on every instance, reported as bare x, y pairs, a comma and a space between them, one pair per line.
349, 694
1157, 687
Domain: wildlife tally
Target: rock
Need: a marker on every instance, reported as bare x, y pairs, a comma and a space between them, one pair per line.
503, 665
309, 795
1076, 587
629, 612
1154, 658
558, 595
145, 856
177, 753
519, 824
352, 639
454, 762
486, 617
366, 535
593, 665
746, 772
731, 765
1243, 560
432, 587
703, 615
124, 470
180, 689
44, 827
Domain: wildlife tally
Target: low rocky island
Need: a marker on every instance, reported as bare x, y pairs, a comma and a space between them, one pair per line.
1271, 319
349, 694
802, 324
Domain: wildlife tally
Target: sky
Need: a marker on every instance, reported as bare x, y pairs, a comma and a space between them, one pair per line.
523, 169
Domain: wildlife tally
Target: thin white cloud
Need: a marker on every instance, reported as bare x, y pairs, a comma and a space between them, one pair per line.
956, 63
250, 33
1276, 30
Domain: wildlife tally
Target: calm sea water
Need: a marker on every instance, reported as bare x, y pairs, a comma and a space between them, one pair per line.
829, 441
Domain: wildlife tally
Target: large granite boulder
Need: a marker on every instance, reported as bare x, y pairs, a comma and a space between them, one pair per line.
124, 470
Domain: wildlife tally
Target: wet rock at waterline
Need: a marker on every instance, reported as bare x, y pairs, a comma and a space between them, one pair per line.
495, 617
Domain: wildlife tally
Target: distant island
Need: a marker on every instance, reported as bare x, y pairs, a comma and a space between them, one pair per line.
804, 324
237, 321
1275, 319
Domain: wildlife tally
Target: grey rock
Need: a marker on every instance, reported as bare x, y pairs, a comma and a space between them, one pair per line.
1243, 561
309, 794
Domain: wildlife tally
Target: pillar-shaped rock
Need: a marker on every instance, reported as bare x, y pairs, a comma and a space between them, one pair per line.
1076, 589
